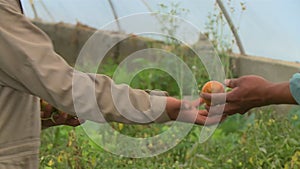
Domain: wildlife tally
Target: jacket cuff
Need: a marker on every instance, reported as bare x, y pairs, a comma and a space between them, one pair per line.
295, 87
158, 109
158, 101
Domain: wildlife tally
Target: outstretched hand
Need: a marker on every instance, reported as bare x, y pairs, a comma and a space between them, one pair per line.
50, 116
190, 113
249, 92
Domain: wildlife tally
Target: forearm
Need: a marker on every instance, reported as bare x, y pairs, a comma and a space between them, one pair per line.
286, 92
29, 64
279, 93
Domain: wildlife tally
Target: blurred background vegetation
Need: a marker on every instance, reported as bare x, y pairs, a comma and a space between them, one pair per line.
260, 139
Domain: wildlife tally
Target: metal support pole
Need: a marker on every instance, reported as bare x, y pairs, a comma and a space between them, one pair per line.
115, 14
33, 9
232, 27
48, 12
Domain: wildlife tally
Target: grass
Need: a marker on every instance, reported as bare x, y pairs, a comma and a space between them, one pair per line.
262, 140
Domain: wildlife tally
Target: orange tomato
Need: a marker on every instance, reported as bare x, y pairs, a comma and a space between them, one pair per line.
212, 87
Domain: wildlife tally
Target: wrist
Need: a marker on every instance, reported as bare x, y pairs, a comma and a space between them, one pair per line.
173, 107
279, 93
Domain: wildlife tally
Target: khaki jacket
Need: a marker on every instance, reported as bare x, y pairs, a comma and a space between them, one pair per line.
30, 69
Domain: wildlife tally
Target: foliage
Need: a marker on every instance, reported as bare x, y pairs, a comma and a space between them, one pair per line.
171, 24
262, 140
217, 28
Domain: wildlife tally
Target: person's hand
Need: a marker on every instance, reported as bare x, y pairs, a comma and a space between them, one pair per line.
249, 92
191, 113
50, 116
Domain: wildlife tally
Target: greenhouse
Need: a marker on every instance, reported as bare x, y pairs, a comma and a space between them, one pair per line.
151, 84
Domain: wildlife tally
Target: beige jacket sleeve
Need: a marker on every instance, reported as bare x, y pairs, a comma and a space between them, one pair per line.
29, 64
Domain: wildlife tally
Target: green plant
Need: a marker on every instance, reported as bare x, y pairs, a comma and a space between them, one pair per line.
168, 19
217, 28
263, 140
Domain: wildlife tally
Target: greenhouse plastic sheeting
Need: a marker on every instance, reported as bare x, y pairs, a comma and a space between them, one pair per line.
268, 28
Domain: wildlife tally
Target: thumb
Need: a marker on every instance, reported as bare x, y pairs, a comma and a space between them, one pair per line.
231, 83
201, 101
198, 102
